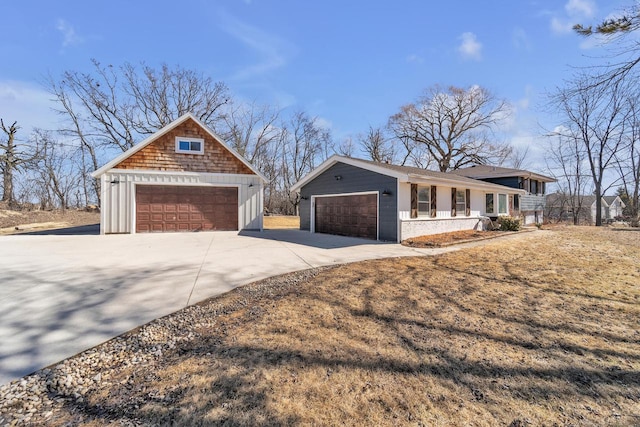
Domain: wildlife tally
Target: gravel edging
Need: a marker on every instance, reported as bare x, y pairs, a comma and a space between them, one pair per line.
36, 398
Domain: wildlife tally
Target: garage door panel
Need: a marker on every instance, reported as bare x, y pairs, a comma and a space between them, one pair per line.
183, 208
349, 215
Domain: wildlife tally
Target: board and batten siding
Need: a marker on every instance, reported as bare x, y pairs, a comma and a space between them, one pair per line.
118, 195
354, 180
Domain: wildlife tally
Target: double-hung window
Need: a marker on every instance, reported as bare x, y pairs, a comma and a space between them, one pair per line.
502, 204
489, 204
461, 202
424, 201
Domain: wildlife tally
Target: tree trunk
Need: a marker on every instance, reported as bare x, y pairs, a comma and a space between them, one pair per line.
7, 194
598, 205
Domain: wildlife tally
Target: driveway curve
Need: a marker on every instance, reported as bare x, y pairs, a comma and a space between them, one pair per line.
61, 294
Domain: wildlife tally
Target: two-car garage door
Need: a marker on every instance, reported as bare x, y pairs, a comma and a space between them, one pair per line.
164, 208
348, 215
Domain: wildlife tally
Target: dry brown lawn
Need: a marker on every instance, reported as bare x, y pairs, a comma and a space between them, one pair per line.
542, 329
19, 221
281, 221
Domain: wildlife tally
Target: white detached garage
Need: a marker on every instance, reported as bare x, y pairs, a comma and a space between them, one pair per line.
182, 178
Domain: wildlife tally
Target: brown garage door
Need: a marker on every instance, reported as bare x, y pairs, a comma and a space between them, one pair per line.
161, 208
355, 216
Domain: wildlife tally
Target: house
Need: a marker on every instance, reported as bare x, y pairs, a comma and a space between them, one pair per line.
181, 178
560, 207
531, 206
362, 198
611, 208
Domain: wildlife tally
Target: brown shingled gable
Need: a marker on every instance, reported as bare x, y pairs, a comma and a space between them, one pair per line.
161, 154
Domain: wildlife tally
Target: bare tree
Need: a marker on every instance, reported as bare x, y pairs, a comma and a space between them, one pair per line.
13, 159
114, 107
377, 145
453, 125
161, 96
303, 142
518, 158
594, 116
627, 160
253, 131
58, 175
346, 148
567, 162
619, 32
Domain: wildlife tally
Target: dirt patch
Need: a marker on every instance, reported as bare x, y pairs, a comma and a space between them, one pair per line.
454, 237
281, 221
538, 330
20, 221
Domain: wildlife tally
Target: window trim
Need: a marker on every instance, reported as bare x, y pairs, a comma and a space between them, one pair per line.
180, 139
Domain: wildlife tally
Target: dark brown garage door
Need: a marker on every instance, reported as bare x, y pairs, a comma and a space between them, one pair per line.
355, 216
161, 208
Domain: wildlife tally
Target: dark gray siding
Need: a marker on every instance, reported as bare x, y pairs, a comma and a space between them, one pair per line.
354, 180
510, 181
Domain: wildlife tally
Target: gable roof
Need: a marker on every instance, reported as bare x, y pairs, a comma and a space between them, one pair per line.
609, 200
487, 171
139, 146
403, 174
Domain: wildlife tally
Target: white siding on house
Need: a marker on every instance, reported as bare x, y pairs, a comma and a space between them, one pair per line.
415, 228
118, 195
443, 222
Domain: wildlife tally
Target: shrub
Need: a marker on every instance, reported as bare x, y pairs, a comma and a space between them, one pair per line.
508, 223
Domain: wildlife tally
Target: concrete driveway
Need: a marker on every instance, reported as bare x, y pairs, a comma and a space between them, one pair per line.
61, 294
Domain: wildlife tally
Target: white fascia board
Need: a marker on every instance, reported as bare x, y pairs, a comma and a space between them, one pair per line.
479, 185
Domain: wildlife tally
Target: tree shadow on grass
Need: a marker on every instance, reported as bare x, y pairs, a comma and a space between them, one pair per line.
223, 381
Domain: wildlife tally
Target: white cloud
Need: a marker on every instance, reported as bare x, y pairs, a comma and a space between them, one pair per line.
273, 52
520, 39
580, 8
560, 26
28, 104
69, 35
575, 11
470, 48
324, 123
415, 58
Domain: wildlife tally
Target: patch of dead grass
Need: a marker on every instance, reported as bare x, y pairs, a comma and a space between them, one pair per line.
450, 238
281, 221
542, 330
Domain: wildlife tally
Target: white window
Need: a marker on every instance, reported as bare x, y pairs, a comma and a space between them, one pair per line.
461, 202
489, 204
502, 204
189, 145
424, 201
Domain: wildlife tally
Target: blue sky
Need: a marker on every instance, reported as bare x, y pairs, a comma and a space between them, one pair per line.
351, 63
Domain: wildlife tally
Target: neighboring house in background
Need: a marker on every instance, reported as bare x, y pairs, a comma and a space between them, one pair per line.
560, 207
531, 206
181, 178
362, 198
612, 207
